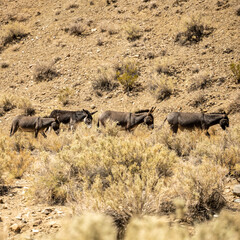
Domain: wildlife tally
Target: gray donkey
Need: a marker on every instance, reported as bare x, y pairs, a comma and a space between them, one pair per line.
203, 121
33, 124
128, 120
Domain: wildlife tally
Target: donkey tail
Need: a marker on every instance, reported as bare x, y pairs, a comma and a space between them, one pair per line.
163, 123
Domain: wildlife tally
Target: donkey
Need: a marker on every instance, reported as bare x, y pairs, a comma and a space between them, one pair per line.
33, 124
128, 120
203, 121
73, 117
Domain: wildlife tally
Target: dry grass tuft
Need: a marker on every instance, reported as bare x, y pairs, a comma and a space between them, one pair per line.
235, 68
44, 72
105, 80
200, 81
64, 96
162, 87
194, 30
133, 32
12, 32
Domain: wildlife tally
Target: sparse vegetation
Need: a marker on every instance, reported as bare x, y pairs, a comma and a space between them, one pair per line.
12, 32
165, 66
44, 72
64, 96
133, 32
127, 75
235, 68
162, 87
104, 80
194, 29
198, 99
200, 81
77, 29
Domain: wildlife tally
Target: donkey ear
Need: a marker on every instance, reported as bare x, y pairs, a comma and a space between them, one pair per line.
152, 109
93, 112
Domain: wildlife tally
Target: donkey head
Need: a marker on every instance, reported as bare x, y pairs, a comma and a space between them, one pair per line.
224, 122
88, 118
149, 119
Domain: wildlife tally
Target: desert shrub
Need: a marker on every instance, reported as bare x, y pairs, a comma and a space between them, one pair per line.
7, 102
16, 163
77, 29
4, 65
194, 30
12, 32
234, 106
200, 81
127, 75
105, 80
133, 32
222, 150
154, 228
201, 187
165, 66
224, 227
235, 68
44, 72
88, 226
111, 29
10, 101
238, 10
162, 88
64, 96
72, 6
182, 144
198, 100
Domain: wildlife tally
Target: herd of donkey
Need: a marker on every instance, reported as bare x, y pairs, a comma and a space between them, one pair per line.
127, 120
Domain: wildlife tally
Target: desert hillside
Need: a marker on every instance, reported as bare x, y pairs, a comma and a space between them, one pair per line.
175, 55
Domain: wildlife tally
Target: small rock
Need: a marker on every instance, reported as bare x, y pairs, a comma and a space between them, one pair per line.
35, 230
1, 201
47, 211
37, 222
16, 228
236, 190
88, 98
237, 200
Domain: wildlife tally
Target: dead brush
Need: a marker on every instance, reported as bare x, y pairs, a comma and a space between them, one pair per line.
104, 80
44, 72
133, 32
12, 32
197, 185
194, 29
165, 66
162, 87
77, 29
235, 68
200, 81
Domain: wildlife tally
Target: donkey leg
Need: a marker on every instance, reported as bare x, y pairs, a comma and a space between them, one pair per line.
36, 133
14, 128
174, 128
43, 133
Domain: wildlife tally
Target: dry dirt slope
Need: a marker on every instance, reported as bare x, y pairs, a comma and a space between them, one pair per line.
79, 57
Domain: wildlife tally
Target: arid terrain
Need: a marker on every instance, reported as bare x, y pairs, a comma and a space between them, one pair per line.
72, 55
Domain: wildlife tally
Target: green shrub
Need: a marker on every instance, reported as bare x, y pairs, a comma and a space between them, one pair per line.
64, 96
127, 75
235, 68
